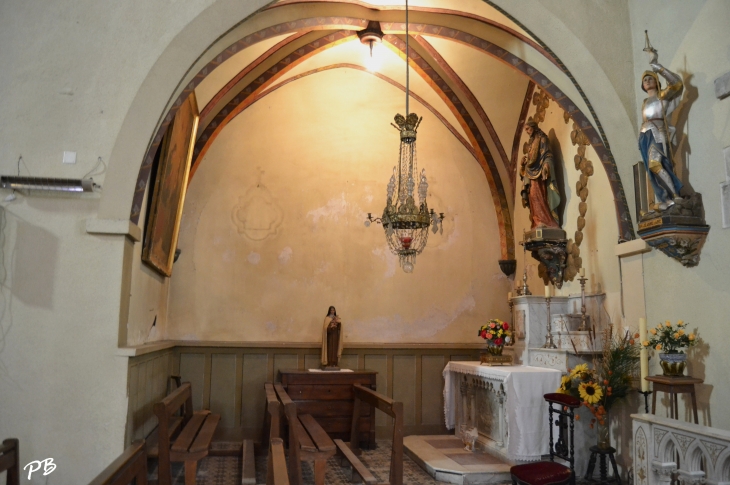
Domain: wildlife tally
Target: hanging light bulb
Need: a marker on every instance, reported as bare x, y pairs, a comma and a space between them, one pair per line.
371, 35
406, 223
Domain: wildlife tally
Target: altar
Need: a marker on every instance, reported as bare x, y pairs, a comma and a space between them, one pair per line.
505, 404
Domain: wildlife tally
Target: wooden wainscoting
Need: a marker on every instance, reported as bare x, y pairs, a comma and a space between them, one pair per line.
229, 380
147, 383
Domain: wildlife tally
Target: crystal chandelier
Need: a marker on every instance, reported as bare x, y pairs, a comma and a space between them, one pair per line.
405, 223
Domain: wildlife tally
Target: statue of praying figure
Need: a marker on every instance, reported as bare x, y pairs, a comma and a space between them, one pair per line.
539, 187
331, 340
656, 134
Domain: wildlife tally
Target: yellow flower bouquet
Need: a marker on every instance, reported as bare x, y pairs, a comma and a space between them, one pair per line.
607, 381
666, 337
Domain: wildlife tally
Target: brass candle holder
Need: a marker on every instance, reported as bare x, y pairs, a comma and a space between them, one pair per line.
583, 323
549, 344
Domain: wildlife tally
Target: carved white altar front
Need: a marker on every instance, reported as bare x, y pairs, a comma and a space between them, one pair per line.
504, 403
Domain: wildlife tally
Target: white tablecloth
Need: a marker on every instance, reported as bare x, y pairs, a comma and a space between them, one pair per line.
526, 409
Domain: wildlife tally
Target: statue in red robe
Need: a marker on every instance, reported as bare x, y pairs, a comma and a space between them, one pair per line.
539, 187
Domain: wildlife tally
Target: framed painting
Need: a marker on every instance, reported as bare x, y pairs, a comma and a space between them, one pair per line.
167, 195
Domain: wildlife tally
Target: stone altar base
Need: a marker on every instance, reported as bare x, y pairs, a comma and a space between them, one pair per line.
444, 458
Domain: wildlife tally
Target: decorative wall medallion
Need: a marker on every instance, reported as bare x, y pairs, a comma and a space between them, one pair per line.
257, 214
658, 436
641, 459
713, 449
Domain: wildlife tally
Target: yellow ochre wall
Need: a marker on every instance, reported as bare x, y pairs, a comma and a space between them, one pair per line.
273, 228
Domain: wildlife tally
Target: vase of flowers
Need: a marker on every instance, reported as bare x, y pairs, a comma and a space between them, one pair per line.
604, 383
670, 340
497, 334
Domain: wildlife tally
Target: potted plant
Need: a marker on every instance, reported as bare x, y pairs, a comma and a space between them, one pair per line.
670, 340
607, 381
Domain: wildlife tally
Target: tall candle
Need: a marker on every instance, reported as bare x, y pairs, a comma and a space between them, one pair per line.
547, 290
643, 356
582, 272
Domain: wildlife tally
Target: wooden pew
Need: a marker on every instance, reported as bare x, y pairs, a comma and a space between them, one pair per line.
192, 434
272, 415
129, 468
276, 473
307, 441
368, 397
10, 460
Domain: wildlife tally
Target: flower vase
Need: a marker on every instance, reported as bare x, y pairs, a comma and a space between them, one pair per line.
673, 363
492, 355
603, 434
495, 349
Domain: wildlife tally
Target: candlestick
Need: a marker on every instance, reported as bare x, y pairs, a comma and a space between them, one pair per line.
583, 319
643, 356
549, 344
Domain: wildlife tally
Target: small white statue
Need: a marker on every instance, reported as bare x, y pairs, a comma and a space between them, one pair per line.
469, 437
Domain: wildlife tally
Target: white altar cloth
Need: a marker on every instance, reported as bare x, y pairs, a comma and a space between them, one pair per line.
527, 411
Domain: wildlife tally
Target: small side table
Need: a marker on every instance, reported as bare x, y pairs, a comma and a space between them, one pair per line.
674, 386
602, 454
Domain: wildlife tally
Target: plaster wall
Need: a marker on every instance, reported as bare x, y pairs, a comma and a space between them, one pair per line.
62, 385
273, 233
686, 34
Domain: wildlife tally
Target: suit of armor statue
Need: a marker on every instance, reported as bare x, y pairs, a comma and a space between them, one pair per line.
656, 135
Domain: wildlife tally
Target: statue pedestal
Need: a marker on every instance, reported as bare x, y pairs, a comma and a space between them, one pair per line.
679, 232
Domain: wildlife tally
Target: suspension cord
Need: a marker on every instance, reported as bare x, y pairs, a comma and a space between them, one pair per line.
407, 67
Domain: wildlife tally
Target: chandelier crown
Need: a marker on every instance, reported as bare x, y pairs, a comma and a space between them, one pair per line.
407, 125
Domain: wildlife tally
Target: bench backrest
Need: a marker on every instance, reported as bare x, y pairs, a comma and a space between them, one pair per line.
290, 411
272, 418
129, 468
276, 473
182, 397
10, 460
392, 408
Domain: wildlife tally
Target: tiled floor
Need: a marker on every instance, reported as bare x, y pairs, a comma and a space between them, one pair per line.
227, 470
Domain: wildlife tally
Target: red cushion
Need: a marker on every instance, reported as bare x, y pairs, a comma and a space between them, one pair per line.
541, 473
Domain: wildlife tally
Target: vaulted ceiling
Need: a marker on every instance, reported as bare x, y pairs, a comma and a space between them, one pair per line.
470, 65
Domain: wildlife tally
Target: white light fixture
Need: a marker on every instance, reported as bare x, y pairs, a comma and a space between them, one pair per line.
14, 182
405, 223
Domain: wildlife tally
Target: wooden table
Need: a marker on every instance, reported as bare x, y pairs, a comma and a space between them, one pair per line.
329, 398
674, 386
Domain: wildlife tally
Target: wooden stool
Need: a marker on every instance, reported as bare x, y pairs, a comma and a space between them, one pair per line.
673, 386
602, 467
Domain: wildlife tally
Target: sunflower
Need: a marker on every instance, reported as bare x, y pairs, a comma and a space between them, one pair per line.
590, 392
565, 385
579, 369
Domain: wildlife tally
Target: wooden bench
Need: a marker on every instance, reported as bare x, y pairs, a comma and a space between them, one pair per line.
307, 440
184, 438
367, 397
276, 473
10, 460
129, 468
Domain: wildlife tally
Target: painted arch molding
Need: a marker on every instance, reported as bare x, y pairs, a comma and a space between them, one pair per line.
304, 38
